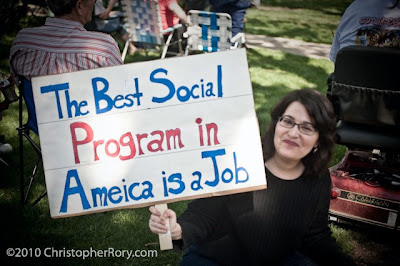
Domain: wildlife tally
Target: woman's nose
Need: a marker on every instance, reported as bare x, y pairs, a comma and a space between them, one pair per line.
294, 131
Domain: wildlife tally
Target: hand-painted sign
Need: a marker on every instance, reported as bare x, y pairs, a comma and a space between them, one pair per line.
144, 133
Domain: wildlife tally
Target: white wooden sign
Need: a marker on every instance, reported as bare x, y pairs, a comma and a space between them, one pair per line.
152, 132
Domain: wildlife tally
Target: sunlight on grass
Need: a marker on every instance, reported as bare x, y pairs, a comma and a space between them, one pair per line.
123, 218
327, 6
305, 25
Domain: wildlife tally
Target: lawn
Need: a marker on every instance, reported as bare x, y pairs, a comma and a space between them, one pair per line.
273, 73
310, 21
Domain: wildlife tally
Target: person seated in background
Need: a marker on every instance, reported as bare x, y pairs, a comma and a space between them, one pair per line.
108, 20
172, 14
368, 23
285, 224
62, 45
72, 48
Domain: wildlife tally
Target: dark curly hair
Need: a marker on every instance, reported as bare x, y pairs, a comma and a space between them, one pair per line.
322, 117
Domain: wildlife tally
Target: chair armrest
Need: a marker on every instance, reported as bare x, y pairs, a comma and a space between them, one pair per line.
171, 29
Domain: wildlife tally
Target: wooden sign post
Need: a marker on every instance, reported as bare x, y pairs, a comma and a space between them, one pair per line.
165, 239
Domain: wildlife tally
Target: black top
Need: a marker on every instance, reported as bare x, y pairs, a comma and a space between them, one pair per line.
266, 226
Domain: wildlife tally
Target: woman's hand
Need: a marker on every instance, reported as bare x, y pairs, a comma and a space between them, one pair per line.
157, 223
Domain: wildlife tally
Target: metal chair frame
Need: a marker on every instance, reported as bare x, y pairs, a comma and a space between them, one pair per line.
24, 133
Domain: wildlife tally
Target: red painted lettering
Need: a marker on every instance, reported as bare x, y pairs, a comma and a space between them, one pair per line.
75, 142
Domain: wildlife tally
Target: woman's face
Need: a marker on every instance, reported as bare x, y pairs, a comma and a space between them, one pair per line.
290, 144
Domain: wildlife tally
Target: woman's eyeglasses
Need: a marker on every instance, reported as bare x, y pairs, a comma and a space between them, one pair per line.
305, 128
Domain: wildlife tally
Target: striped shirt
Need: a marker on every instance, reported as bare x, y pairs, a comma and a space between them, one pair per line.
61, 46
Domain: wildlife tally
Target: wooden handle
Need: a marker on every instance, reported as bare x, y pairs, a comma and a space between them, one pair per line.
165, 239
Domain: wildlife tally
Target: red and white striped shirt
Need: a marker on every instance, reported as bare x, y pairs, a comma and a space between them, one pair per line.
61, 46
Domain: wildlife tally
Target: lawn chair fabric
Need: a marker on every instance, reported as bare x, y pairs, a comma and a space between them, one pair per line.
209, 31
142, 21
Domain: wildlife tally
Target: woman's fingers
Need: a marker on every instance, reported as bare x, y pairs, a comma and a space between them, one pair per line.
157, 228
154, 211
168, 213
157, 219
176, 230
157, 223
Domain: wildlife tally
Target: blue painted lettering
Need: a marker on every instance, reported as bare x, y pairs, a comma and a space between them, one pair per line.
69, 191
173, 178
101, 195
213, 155
76, 105
56, 88
196, 185
184, 93
104, 103
241, 175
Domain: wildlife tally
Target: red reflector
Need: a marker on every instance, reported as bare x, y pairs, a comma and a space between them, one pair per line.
335, 192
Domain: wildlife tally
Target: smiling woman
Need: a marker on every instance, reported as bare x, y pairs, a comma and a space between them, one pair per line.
292, 143
285, 224
303, 106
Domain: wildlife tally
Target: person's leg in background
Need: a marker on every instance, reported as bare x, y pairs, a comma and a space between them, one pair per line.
238, 21
125, 36
237, 11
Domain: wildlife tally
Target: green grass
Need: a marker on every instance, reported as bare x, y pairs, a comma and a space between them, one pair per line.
301, 24
347, 239
274, 73
310, 21
327, 6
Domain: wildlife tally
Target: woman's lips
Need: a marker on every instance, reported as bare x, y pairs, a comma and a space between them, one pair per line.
291, 143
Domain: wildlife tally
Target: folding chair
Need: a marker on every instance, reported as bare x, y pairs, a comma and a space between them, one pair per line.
143, 22
211, 32
26, 94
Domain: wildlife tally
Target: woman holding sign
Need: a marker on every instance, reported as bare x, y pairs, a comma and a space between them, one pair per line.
285, 224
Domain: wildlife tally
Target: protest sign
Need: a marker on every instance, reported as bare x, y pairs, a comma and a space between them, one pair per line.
145, 133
